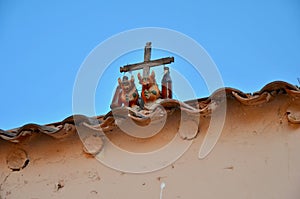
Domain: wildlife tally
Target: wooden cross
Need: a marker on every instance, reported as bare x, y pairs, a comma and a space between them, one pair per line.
147, 62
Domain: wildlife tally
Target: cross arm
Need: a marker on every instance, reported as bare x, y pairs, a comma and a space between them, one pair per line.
141, 65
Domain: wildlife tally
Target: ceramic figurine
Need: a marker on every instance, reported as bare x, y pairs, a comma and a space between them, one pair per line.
150, 91
166, 85
126, 93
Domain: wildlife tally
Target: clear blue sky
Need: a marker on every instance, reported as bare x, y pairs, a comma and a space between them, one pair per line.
43, 44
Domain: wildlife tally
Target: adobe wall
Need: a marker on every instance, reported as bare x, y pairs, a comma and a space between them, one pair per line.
255, 157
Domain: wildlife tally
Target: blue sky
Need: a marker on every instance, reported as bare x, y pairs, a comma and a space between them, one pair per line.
44, 43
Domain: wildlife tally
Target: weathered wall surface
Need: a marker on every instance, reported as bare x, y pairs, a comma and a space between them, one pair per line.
255, 157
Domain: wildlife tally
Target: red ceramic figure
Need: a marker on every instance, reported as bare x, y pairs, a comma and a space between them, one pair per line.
150, 91
126, 93
166, 85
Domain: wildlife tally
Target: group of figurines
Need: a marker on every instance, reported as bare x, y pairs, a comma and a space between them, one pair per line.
127, 94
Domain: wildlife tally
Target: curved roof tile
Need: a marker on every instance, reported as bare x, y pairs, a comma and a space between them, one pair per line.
201, 106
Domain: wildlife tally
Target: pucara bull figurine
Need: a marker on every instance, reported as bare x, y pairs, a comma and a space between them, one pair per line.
150, 91
126, 93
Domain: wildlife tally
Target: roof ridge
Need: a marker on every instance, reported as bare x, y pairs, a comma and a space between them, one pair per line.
62, 128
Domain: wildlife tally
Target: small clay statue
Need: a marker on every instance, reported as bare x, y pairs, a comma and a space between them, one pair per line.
126, 93
166, 85
150, 91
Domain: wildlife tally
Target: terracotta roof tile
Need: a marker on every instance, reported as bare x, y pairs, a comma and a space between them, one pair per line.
200, 106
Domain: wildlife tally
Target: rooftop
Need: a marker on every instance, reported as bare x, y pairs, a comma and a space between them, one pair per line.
105, 122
